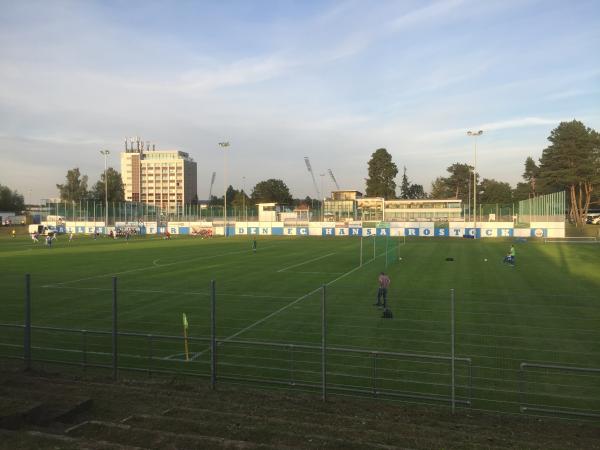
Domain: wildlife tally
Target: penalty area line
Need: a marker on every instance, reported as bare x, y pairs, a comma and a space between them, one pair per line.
306, 262
153, 266
283, 308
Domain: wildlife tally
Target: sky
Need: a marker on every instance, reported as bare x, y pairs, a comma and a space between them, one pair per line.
281, 80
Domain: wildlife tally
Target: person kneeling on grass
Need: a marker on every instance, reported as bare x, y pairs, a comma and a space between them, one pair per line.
510, 257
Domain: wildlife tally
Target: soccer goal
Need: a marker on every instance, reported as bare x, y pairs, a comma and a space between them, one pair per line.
373, 247
572, 240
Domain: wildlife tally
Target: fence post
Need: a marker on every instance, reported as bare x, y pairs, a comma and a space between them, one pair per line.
323, 346
27, 330
291, 347
114, 329
361, 250
213, 336
84, 349
452, 350
374, 374
386, 251
150, 355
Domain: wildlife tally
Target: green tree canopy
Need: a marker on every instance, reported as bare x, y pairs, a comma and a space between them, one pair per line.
456, 185
271, 190
572, 162
239, 199
11, 200
382, 171
492, 191
116, 189
75, 187
416, 191
404, 185
409, 190
531, 174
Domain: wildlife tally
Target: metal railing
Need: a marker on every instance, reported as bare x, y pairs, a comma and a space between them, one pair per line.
496, 379
317, 367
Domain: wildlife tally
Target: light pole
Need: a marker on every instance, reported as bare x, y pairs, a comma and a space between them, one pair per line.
224, 146
105, 153
323, 199
475, 134
244, 198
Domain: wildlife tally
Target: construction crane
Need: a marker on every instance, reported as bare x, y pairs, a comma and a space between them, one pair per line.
333, 179
212, 182
307, 162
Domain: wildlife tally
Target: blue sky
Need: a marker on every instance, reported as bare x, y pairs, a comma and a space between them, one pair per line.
282, 80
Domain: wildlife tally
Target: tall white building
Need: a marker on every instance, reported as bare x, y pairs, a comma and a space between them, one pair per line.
164, 178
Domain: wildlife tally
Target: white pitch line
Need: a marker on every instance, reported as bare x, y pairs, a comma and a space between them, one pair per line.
147, 268
155, 262
305, 262
320, 273
299, 299
156, 291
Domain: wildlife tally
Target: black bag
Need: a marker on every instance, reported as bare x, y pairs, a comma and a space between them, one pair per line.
387, 314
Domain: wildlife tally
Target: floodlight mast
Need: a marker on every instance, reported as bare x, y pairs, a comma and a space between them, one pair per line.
333, 179
308, 166
212, 182
105, 153
475, 134
224, 146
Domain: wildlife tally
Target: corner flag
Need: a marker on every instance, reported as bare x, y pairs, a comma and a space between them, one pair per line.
185, 337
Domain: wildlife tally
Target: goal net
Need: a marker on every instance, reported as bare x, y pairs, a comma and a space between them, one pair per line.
379, 248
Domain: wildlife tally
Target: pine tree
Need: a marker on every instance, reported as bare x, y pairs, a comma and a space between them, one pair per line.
382, 171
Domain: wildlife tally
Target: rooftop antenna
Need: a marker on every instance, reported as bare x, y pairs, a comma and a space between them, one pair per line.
333, 179
307, 162
212, 182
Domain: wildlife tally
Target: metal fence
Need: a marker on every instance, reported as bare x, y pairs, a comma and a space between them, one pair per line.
483, 367
93, 211
441, 379
543, 208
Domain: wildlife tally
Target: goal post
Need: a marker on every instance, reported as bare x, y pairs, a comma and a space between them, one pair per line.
572, 240
373, 247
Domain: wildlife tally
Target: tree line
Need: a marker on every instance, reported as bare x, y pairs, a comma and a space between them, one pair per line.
75, 187
11, 200
570, 162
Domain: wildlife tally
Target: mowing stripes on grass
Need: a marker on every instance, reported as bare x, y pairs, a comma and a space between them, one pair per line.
153, 266
306, 262
156, 291
299, 299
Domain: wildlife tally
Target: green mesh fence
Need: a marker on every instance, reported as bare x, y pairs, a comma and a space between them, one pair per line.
544, 208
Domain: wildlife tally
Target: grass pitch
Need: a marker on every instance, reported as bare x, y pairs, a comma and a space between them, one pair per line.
543, 311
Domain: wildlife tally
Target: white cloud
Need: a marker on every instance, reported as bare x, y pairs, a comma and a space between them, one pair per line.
522, 122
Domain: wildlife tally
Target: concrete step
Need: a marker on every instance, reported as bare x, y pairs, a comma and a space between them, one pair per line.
15, 412
124, 434
271, 431
61, 441
385, 432
50, 405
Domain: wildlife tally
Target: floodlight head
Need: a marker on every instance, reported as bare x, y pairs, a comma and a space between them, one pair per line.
475, 133
105, 152
224, 144
307, 162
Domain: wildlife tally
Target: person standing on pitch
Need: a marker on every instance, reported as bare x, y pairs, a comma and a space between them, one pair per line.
384, 282
254, 245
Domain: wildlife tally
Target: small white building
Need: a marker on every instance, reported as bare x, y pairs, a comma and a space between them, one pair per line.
267, 212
